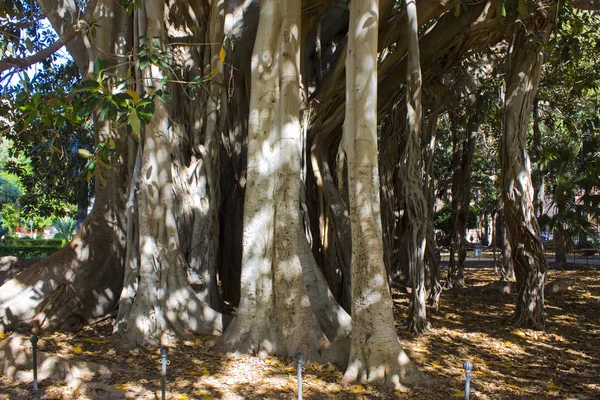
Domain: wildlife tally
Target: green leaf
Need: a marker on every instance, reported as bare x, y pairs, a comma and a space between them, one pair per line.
134, 95
522, 9
85, 153
503, 10
98, 66
89, 84
134, 121
163, 64
121, 99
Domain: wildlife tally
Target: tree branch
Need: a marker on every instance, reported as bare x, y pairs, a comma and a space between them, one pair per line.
68, 35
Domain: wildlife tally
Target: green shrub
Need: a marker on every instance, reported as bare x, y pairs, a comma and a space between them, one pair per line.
9, 216
9, 191
65, 228
28, 242
28, 251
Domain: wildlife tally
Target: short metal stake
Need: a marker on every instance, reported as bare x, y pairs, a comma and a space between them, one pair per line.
299, 359
468, 366
164, 352
34, 340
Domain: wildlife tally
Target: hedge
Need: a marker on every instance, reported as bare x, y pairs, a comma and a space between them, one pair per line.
32, 242
28, 251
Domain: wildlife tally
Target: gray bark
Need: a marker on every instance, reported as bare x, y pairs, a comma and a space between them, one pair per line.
375, 353
412, 184
525, 63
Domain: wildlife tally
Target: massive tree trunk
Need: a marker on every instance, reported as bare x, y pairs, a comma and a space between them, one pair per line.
376, 354
284, 306
412, 183
83, 280
525, 63
163, 305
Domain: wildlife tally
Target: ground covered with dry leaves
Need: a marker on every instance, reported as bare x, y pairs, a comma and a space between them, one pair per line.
561, 363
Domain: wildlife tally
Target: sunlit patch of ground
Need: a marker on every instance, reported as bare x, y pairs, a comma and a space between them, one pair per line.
509, 363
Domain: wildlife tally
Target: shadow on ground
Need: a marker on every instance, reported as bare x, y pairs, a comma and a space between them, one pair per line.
509, 363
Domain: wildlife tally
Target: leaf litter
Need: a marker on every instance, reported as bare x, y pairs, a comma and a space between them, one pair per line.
562, 362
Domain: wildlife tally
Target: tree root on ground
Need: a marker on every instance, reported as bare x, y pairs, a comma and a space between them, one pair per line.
83, 376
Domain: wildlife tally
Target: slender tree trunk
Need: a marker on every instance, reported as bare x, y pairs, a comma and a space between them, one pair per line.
539, 187
461, 194
560, 247
334, 224
412, 190
506, 269
375, 354
241, 22
435, 287
525, 63
464, 192
205, 194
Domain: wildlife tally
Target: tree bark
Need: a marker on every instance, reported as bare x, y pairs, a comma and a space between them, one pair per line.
461, 193
412, 184
165, 306
431, 259
279, 303
525, 63
241, 23
561, 247
83, 280
507, 271
375, 354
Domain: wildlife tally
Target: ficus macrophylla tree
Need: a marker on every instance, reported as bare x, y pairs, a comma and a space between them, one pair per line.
205, 116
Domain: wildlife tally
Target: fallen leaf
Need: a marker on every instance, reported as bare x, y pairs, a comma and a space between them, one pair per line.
77, 350
552, 385
95, 341
358, 389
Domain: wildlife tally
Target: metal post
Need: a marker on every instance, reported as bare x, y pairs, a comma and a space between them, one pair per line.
299, 359
34, 340
468, 366
163, 354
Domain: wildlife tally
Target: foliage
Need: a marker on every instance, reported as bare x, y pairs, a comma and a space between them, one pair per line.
9, 192
65, 228
10, 217
29, 242
569, 156
24, 31
43, 143
28, 251
443, 221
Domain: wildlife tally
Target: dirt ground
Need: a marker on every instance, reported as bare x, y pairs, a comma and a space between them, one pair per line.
561, 363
